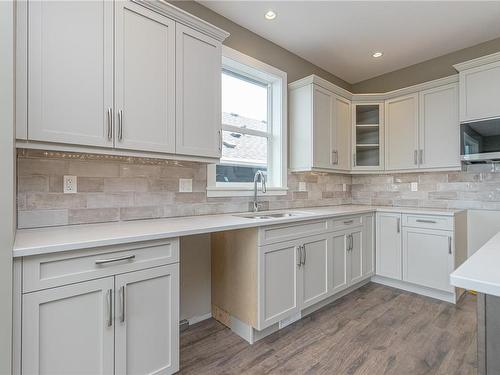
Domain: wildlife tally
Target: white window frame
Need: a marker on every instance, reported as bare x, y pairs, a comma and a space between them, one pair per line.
277, 121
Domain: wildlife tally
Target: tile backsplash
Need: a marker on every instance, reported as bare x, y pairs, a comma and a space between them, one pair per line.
478, 187
114, 188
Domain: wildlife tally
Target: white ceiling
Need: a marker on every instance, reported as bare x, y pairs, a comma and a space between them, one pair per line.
340, 36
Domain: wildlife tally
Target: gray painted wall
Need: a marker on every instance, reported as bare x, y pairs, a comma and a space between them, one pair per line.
262, 49
7, 191
425, 71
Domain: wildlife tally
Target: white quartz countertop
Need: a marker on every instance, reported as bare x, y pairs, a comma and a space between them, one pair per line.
75, 237
481, 272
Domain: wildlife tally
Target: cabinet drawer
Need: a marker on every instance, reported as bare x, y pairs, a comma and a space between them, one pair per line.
285, 232
347, 222
51, 270
428, 221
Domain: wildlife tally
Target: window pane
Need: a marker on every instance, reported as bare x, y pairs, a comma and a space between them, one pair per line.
244, 103
236, 173
244, 149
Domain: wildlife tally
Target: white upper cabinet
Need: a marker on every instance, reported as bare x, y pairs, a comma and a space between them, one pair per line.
70, 71
322, 129
439, 128
480, 88
368, 136
341, 134
119, 75
198, 93
144, 79
401, 132
320, 123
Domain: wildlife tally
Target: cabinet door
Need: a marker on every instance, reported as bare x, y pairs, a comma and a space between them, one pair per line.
278, 282
70, 71
147, 321
338, 262
144, 79
322, 128
198, 94
438, 122
69, 329
388, 254
479, 92
315, 270
368, 246
355, 269
428, 257
341, 134
401, 132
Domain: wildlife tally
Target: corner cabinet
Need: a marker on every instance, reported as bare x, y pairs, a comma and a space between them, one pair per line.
368, 136
100, 311
320, 123
123, 75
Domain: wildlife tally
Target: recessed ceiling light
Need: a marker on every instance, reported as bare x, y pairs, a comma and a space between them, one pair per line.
377, 54
270, 15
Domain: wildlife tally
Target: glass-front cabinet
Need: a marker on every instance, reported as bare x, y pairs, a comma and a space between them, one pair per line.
368, 136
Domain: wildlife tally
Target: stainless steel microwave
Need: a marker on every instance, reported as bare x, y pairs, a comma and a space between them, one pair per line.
480, 140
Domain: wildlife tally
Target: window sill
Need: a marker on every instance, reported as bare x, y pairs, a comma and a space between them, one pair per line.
218, 191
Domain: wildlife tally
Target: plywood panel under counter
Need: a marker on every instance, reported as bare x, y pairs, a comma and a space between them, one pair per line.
234, 274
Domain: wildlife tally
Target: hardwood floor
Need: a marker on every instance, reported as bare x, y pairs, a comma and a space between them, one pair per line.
374, 330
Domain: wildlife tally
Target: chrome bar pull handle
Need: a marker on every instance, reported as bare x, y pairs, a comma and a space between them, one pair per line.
421, 156
415, 157
354, 159
219, 136
449, 244
305, 254
120, 125
399, 225
110, 306
426, 221
122, 303
347, 222
299, 255
110, 123
111, 260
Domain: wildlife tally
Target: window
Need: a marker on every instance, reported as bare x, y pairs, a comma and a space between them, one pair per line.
253, 130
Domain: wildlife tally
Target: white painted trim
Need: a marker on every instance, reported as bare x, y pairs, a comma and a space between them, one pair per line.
483, 60
200, 318
278, 80
314, 79
413, 288
181, 16
7, 185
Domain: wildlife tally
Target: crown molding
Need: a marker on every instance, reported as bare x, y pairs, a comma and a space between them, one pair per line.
181, 16
494, 57
313, 79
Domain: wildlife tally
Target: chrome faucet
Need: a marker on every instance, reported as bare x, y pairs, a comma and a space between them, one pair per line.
258, 174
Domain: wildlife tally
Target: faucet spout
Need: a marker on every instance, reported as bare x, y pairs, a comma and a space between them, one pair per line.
258, 175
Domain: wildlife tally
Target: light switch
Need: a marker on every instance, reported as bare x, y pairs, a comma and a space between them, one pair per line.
344, 187
185, 185
414, 186
70, 185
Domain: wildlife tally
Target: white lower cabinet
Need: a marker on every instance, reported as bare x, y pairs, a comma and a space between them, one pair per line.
69, 329
147, 322
125, 323
315, 270
428, 257
278, 282
338, 280
417, 252
388, 260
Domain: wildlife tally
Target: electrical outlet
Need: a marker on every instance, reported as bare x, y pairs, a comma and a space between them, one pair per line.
344, 187
302, 186
185, 185
70, 185
414, 186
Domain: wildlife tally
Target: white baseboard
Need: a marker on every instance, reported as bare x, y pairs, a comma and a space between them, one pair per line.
450, 297
197, 319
